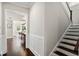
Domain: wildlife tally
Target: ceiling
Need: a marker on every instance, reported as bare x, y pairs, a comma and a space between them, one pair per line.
12, 15
23, 4
29, 4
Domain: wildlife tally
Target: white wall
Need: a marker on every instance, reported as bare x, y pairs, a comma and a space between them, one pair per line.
75, 16
56, 22
66, 9
3, 41
0, 27
36, 28
16, 8
48, 21
75, 13
9, 28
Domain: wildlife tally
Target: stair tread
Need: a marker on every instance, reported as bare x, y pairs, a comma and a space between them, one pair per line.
72, 37
67, 46
68, 38
69, 41
69, 50
65, 52
74, 33
74, 25
68, 34
73, 28
59, 53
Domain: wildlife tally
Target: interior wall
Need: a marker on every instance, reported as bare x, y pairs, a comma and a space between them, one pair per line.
75, 13
3, 41
47, 26
66, 9
0, 28
75, 16
36, 28
56, 22
9, 29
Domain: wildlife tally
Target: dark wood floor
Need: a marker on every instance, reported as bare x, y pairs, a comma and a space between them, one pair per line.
17, 52
24, 52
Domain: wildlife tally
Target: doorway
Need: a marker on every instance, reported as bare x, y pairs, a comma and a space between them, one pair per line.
16, 32
19, 33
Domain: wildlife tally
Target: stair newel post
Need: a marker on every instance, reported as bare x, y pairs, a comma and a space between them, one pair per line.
71, 16
76, 49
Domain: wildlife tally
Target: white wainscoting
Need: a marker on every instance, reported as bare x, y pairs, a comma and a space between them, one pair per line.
37, 44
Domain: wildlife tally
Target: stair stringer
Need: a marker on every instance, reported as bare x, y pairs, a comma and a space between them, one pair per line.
59, 40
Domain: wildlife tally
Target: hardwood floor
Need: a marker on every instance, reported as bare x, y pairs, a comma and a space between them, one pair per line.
14, 50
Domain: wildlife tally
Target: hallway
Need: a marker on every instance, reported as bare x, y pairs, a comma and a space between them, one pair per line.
15, 48
36, 28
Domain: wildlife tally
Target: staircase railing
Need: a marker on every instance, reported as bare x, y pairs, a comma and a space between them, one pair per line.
76, 49
70, 11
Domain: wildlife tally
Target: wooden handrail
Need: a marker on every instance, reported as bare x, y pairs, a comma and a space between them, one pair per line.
77, 47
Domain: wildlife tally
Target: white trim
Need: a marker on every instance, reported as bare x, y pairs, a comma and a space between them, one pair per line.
34, 52
59, 40
37, 36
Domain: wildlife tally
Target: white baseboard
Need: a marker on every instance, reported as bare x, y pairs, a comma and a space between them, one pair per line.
34, 52
59, 40
36, 44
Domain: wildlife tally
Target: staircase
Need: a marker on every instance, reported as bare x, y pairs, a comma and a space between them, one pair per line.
66, 46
